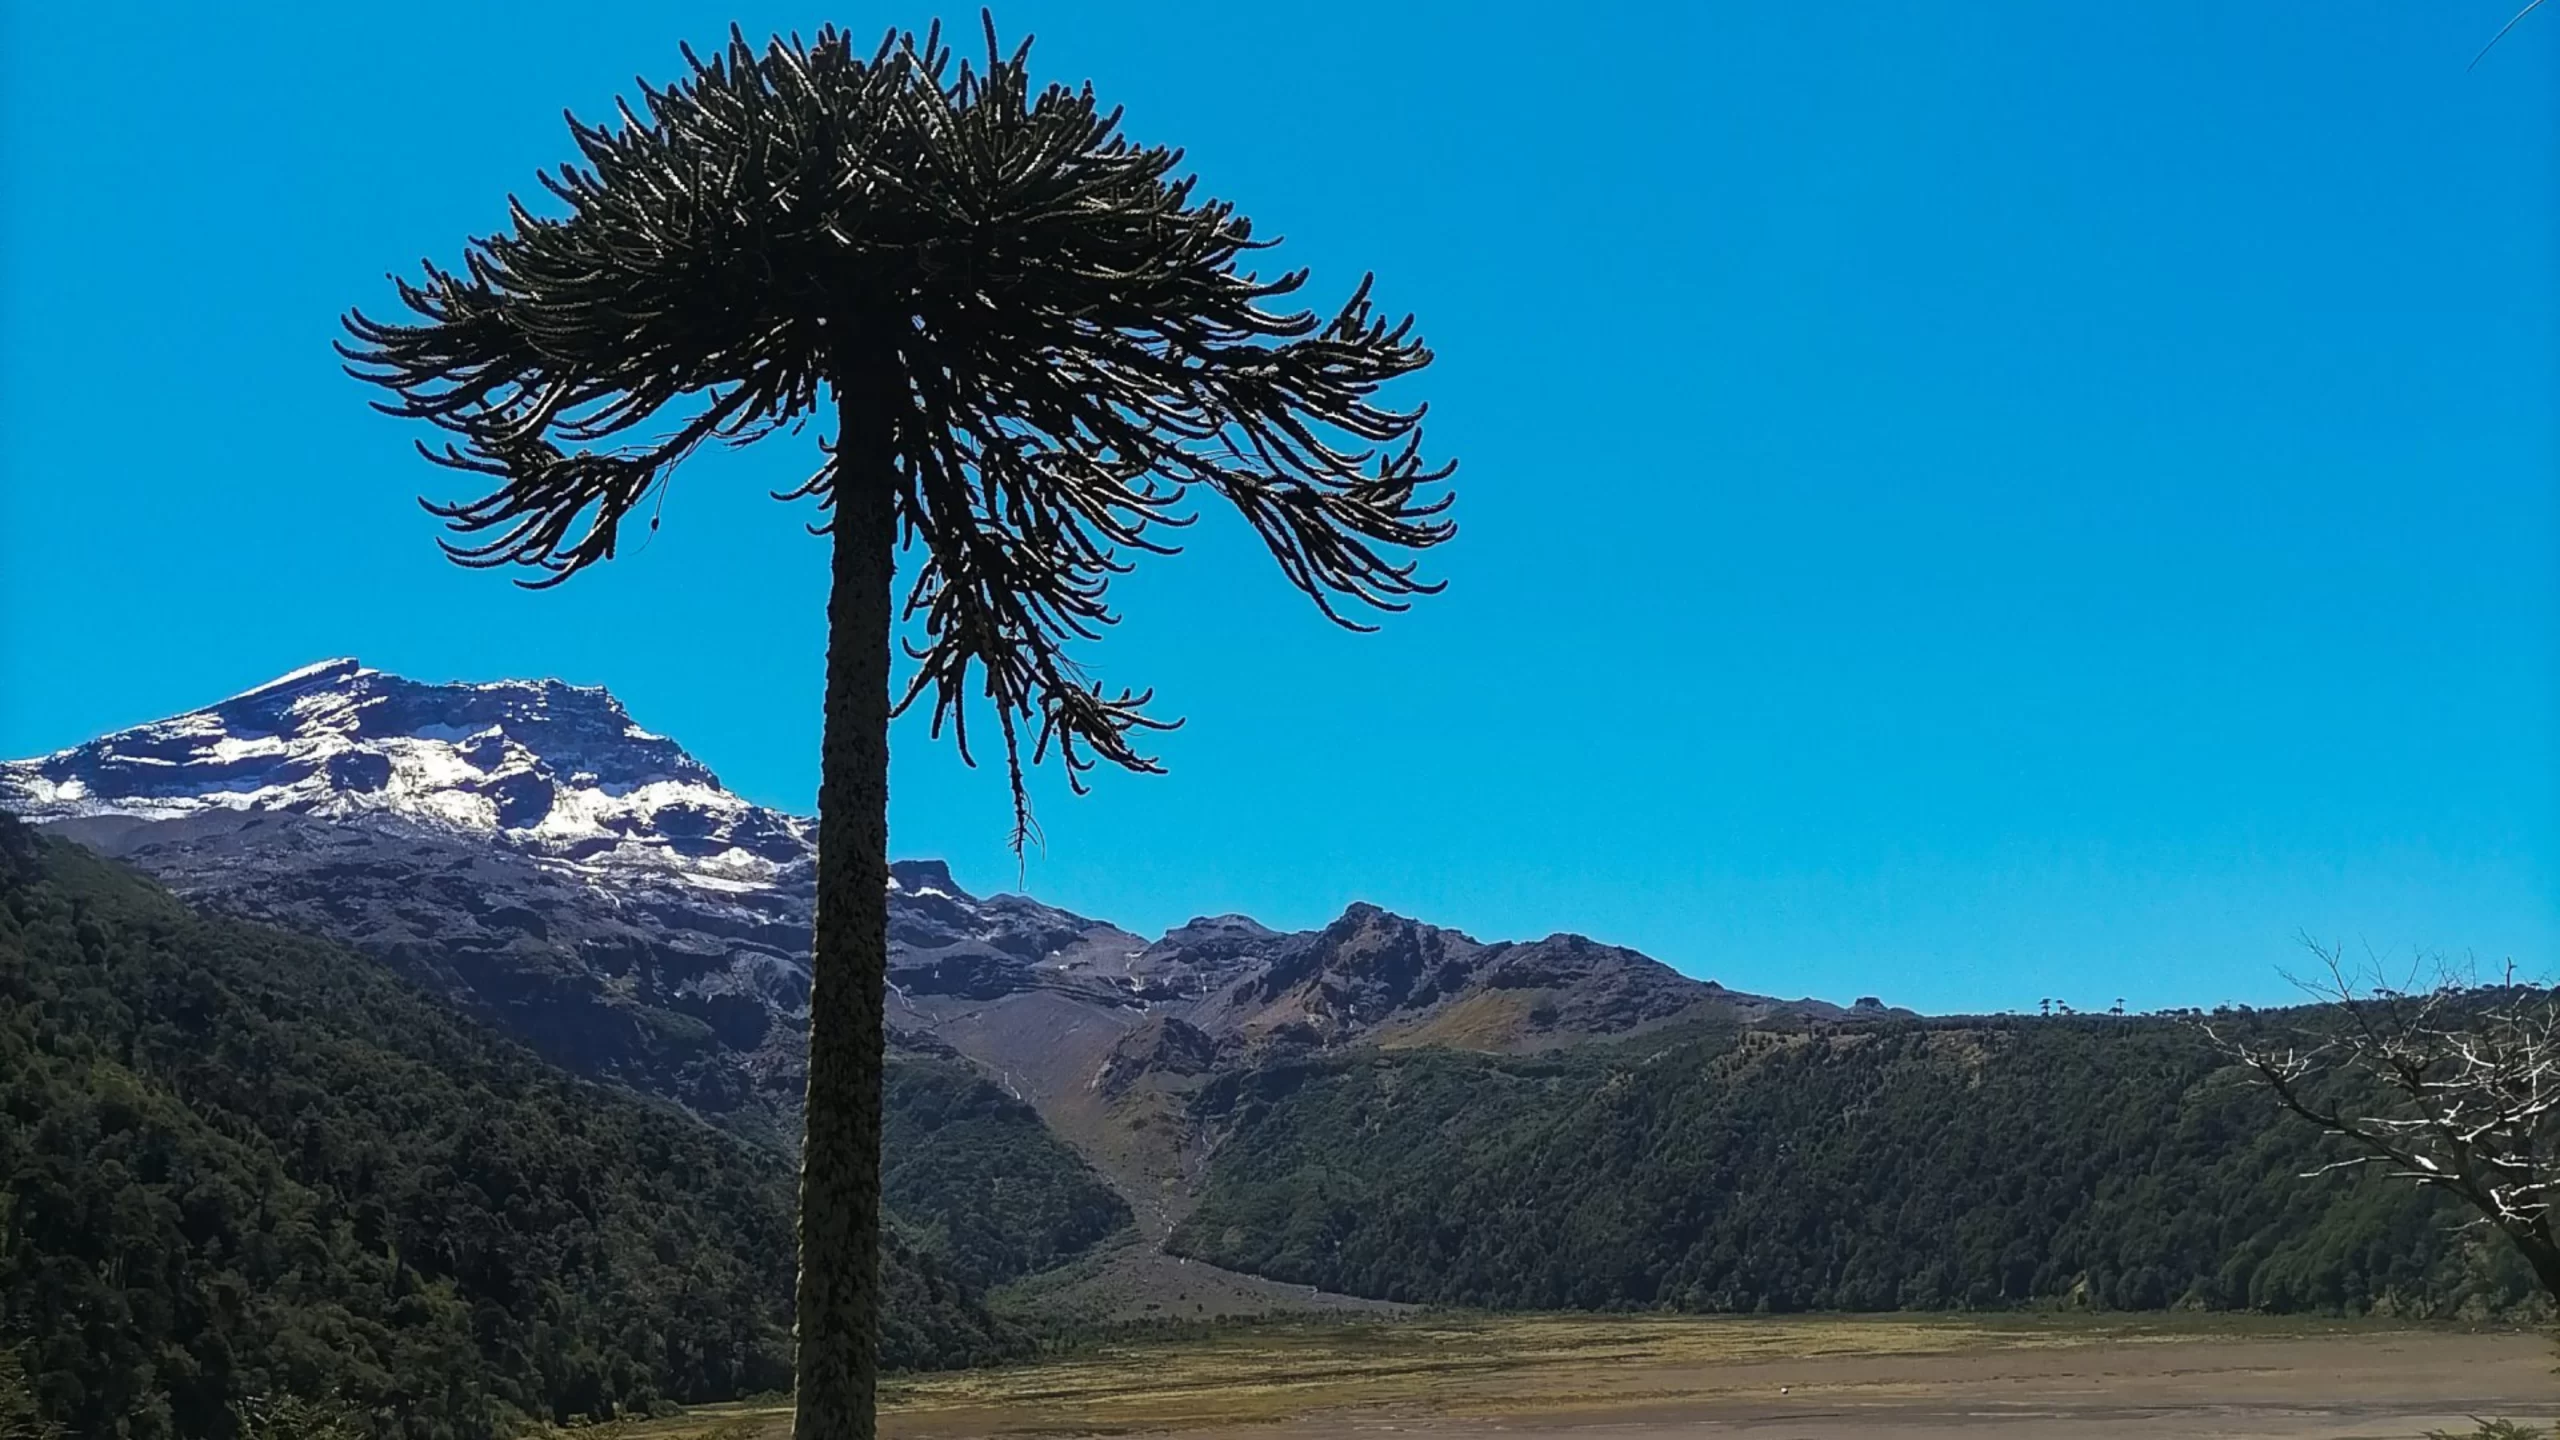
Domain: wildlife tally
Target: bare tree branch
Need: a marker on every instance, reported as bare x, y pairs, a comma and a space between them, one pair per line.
2453, 1085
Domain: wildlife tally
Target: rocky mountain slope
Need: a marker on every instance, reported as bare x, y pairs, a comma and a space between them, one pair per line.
1379, 1106
526, 850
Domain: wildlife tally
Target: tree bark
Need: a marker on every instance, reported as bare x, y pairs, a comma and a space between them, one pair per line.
2535, 1243
836, 1340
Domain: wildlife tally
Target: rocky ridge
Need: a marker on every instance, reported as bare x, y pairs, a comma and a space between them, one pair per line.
528, 851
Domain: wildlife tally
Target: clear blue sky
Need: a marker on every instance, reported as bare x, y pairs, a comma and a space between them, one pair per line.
1960, 502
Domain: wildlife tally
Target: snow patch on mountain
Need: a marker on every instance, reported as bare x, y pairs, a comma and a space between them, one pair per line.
695, 896
557, 771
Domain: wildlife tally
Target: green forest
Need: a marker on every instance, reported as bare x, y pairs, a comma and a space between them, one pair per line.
238, 1165
1915, 1165
978, 1179
241, 1168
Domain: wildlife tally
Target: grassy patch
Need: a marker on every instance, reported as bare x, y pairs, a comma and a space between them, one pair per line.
1436, 1364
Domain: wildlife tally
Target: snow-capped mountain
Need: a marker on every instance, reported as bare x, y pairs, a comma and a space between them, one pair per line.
556, 771
528, 850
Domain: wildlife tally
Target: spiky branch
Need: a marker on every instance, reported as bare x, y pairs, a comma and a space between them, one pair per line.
1060, 340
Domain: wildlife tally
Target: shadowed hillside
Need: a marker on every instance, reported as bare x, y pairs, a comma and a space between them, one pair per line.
237, 1162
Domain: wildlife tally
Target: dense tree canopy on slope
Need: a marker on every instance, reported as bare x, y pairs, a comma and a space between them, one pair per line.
237, 1162
981, 1181
1922, 1165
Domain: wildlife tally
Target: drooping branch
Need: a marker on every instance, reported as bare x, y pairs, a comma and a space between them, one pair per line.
1070, 346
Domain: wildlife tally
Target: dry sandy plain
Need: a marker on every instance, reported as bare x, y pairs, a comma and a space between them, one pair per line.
1890, 1378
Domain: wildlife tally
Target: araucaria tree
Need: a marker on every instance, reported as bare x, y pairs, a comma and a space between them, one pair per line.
1036, 340
2455, 1086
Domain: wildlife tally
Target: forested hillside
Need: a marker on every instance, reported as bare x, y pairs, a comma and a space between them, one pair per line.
235, 1162
1891, 1165
240, 1163
980, 1180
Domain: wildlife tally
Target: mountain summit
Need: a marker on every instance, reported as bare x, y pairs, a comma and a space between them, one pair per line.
555, 770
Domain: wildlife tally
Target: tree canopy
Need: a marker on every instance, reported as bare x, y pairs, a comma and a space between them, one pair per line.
1044, 330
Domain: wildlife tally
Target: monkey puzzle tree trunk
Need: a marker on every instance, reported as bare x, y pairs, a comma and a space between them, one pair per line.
837, 1335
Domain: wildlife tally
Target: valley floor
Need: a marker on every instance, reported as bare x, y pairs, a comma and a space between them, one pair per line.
1882, 1378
